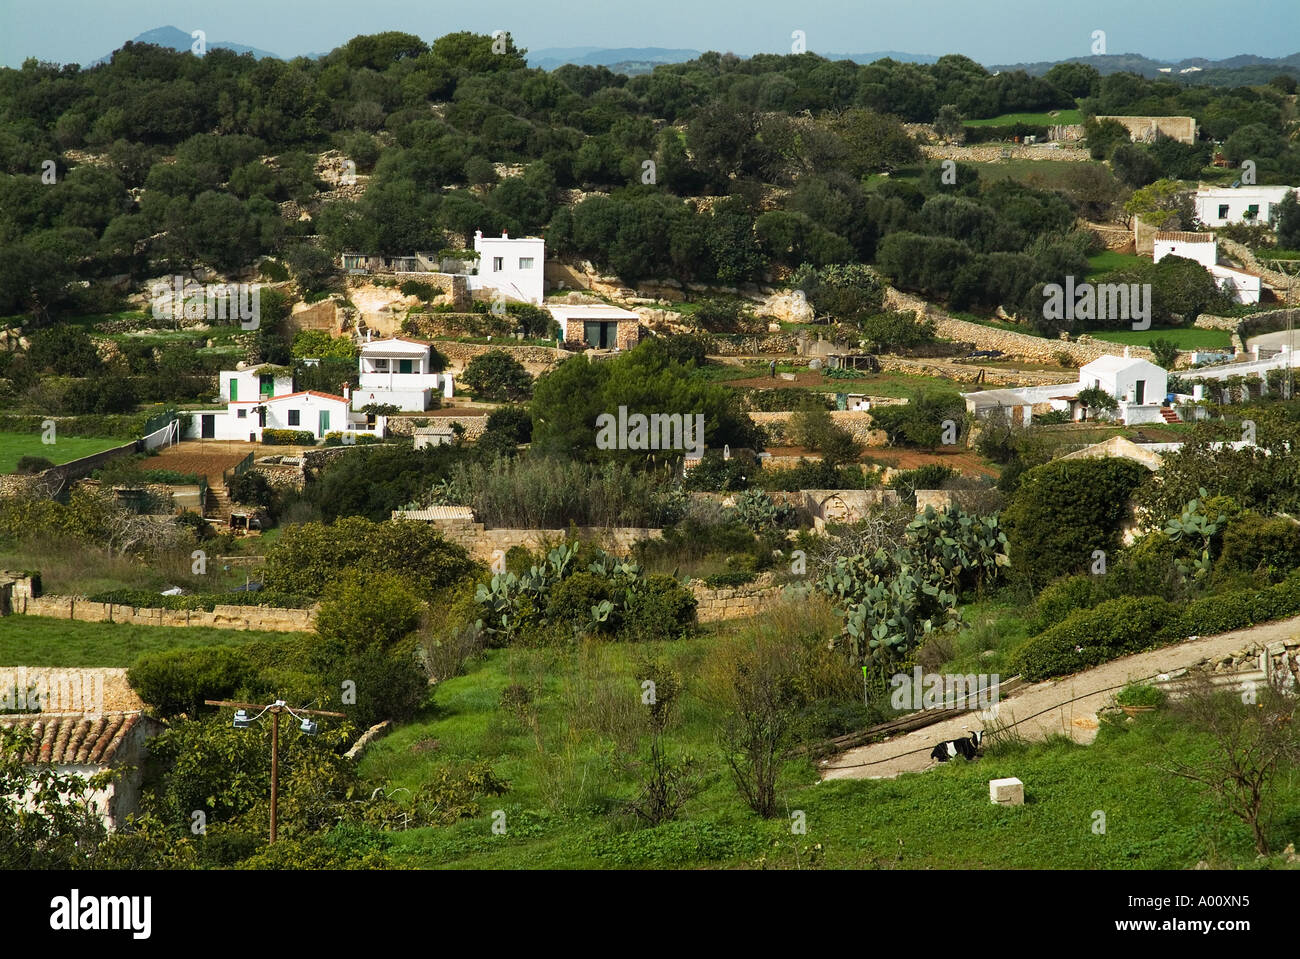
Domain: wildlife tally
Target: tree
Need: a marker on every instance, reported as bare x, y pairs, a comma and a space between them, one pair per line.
1162, 204
1250, 745
1063, 511
948, 125
1164, 351
364, 610
1103, 136
1288, 223
498, 376
1134, 165
875, 141
66, 350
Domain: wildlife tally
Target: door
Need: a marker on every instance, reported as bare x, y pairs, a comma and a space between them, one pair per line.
1139, 391
208, 426
267, 385
404, 366
324, 422
234, 390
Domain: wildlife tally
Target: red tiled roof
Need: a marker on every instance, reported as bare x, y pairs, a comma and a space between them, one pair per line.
285, 396
76, 739
1178, 236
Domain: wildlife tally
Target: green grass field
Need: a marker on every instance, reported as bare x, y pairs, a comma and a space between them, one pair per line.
1108, 260
564, 807
44, 641
1186, 339
14, 446
1068, 117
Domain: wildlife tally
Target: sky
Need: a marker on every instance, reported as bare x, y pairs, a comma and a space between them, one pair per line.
989, 31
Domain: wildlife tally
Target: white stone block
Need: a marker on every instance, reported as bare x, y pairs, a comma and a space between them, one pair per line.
1007, 792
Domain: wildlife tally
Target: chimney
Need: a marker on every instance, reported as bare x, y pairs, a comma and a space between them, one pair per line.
1127, 353
347, 390
504, 235
478, 234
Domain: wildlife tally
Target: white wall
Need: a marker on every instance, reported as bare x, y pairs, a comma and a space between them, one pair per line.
515, 281
1205, 254
248, 384
1237, 201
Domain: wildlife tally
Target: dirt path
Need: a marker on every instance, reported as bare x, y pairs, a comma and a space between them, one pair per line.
1055, 702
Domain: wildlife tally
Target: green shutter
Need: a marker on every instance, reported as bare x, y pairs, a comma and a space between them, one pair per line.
234, 390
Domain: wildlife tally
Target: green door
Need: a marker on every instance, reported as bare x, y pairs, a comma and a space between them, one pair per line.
324, 422
267, 385
404, 366
234, 390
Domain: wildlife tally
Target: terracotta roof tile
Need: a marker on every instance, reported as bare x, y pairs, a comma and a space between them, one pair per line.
75, 739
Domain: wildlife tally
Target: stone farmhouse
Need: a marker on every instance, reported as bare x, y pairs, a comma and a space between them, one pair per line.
1147, 129
598, 325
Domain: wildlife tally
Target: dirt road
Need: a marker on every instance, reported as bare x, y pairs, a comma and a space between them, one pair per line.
1068, 705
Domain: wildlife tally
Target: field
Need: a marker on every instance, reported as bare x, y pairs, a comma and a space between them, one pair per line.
14, 446
1065, 117
208, 457
1109, 260
1188, 338
44, 641
568, 790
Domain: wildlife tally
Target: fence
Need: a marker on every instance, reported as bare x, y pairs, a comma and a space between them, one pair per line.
164, 436
239, 469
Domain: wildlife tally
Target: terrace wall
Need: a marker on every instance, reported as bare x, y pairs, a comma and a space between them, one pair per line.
267, 618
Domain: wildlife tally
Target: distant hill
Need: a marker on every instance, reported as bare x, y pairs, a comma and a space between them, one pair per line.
1147, 67
175, 39
632, 61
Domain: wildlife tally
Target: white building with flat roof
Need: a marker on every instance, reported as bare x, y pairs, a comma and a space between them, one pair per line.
398, 371
1219, 206
514, 268
598, 325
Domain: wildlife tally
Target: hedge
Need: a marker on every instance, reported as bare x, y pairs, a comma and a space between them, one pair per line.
1132, 624
288, 438
126, 426
148, 599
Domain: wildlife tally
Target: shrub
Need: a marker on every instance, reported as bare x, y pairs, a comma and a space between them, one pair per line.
362, 611
419, 288
358, 439
572, 599
251, 488
288, 438
730, 579
660, 608
1254, 544
388, 686
33, 464
179, 680
512, 422
1141, 694
149, 599
1064, 597
1063, 511
1091, 637
498, 376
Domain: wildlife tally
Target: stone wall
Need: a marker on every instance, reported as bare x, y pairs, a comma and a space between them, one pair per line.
486, 544
535, 359
1025, 346
734, 602
857, 422
992, 152
52, 480
474, 424
777, 344
1117, 238
221, 617
1287, 289
1144, 129
62, 689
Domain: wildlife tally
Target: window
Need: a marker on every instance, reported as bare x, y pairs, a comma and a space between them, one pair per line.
498, 264
1252, 211
293, 417
1223, 211
525, 263
381, 365
241, 413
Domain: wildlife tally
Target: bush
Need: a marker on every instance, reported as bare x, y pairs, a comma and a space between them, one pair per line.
498, 376
288, 438
179, 680
388, 686
358, 439
28, 465
251, 488
1065, 597
418, 288
1254, 544
363, 611
1091, 637
1141, 694
513, 422
731, 579
660, 608
572, 599
1063, 511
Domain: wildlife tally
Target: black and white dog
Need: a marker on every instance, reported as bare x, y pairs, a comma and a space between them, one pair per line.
966, 748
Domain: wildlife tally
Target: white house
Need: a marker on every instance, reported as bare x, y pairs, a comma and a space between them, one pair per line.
1201, 247
307, 411
1139, 385
1219, 206
599, 325
512, 267
398, 371
1204, 249
254, 383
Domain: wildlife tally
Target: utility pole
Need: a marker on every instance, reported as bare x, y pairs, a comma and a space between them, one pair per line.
243, 721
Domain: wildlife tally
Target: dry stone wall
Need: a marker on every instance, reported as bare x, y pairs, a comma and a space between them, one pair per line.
268, 618
992, 152
535, 359
857, 422
61, 689
485, 544
734, 602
